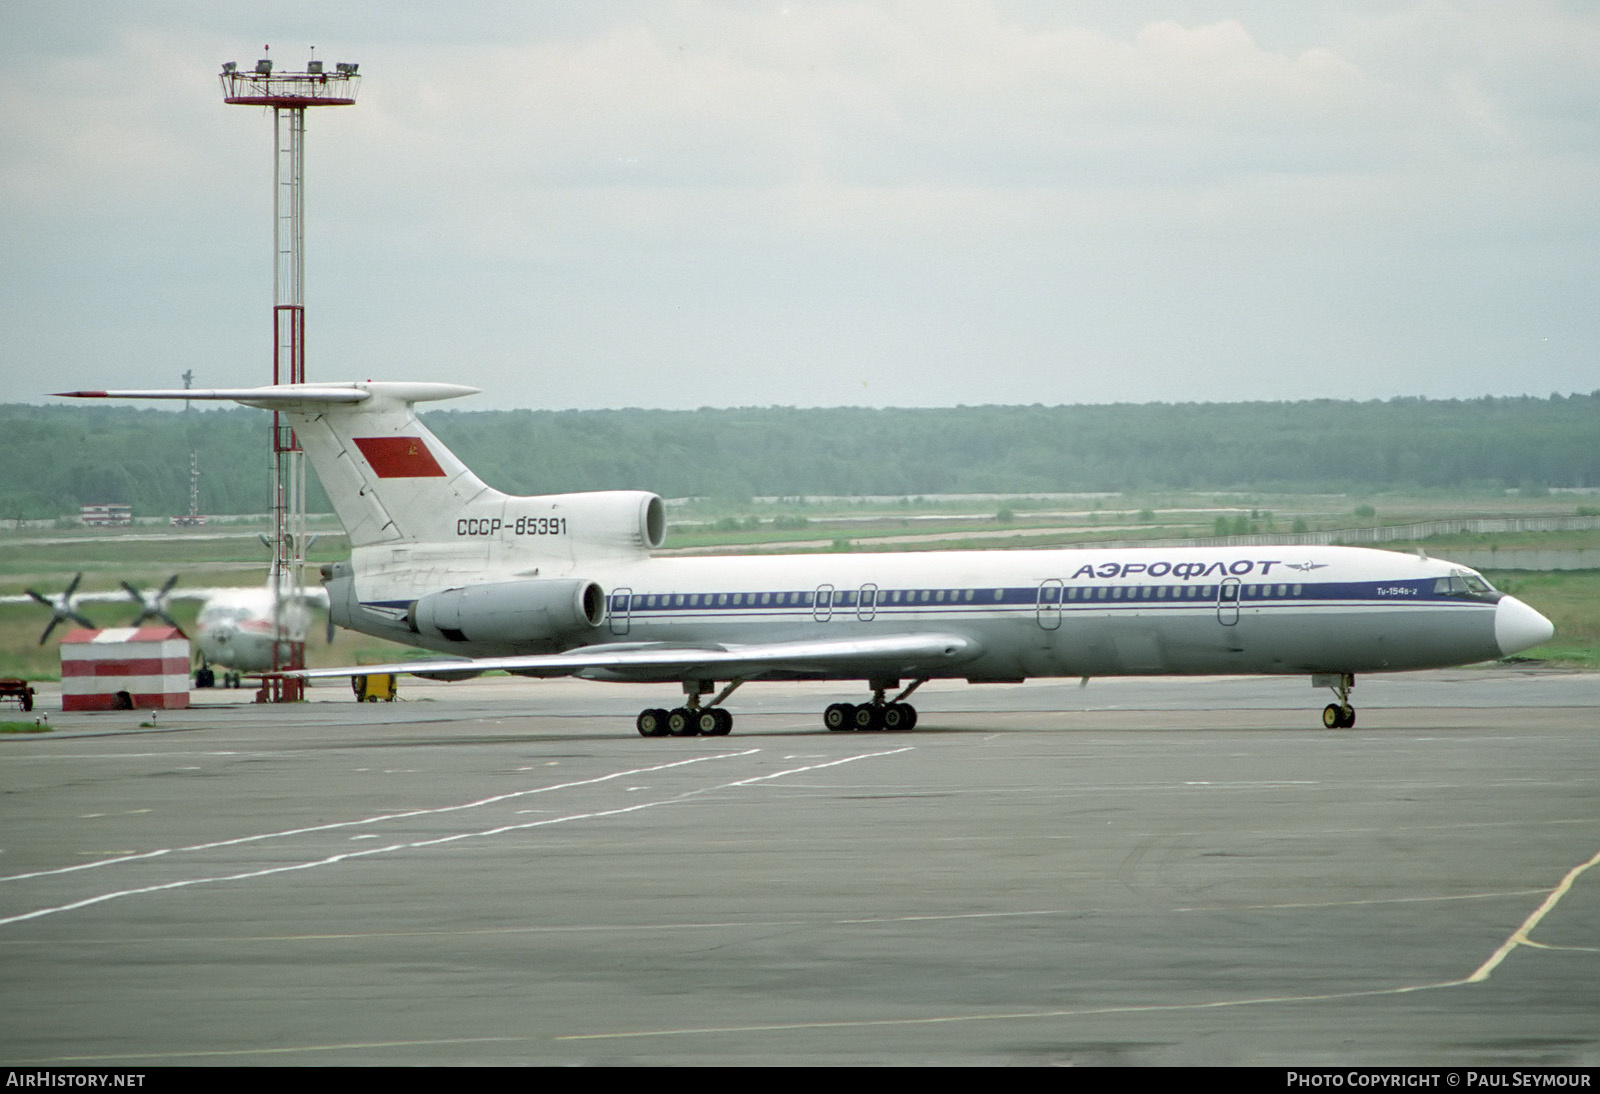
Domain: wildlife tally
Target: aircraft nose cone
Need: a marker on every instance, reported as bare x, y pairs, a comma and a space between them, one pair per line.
1518, 627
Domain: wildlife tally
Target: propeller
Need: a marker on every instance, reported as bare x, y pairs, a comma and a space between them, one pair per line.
61, 608
153, 605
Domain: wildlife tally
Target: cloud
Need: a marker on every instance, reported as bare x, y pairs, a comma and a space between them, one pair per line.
698, 201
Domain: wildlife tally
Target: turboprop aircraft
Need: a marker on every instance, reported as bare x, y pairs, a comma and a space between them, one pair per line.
565, 585
235, 628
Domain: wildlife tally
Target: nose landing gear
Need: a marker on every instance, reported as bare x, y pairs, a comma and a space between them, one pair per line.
1340, 715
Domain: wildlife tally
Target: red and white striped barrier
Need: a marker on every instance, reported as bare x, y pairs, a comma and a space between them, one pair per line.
121, 668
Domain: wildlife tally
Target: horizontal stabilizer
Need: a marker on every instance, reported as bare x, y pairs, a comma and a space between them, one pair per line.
274, 395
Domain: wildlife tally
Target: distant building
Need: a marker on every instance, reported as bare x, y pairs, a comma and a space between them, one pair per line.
106, 515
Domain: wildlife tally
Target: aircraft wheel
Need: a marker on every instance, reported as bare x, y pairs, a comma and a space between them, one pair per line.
899, 717
839, 717
706, 722
652, 722
721, 723
868, 716
1332, 716
1349, 717
681, 722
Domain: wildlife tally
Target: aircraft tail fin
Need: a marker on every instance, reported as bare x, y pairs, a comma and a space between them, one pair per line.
390, 480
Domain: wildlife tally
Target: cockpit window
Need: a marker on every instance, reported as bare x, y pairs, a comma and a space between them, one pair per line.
1467, 585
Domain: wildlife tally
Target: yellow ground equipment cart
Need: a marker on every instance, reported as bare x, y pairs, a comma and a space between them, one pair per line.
370, 689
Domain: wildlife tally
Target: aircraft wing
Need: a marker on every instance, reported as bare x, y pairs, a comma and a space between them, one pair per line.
904, 655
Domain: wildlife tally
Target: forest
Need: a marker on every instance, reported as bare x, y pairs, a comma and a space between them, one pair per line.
57, 458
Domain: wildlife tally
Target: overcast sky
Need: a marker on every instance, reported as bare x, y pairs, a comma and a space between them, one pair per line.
701, 203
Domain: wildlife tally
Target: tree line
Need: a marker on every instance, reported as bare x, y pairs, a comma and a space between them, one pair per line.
57, 458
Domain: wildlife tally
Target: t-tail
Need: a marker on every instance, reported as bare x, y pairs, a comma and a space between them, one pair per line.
393, 484
426, 532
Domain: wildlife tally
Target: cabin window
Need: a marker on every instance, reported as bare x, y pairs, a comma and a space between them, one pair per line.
766, 598
999, 594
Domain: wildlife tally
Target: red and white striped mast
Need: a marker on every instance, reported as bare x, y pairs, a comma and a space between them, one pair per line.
288, 94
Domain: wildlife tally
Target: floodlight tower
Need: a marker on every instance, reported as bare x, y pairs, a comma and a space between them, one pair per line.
288, 94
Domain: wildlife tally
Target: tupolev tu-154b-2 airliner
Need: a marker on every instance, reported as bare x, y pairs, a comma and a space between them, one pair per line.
565, 585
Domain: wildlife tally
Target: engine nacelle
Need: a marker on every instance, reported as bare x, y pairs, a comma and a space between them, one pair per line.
621, 523
510, 612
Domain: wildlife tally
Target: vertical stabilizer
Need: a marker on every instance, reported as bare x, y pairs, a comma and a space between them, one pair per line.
389, 478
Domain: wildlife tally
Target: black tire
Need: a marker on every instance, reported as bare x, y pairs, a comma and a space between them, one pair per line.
840, 717
1332, 716
1349, 718
681, 723
868, 717
652, 722
724, 721
899, 717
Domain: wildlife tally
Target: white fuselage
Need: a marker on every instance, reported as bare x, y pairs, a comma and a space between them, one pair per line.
565, 584
237, 628
1084, 612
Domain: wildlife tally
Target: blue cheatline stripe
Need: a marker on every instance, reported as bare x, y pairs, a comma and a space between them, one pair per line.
913, 600
1049, 597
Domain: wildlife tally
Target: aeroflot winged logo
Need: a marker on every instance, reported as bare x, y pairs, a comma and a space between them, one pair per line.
399, 457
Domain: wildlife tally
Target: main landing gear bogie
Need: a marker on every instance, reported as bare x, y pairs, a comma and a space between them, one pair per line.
870, 717
685, 722
895, 715
711, 719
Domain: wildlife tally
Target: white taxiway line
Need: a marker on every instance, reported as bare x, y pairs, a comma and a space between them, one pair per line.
371, 820
332, 860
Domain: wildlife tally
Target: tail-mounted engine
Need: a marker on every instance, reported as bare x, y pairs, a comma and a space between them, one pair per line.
510, 612
613, 523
